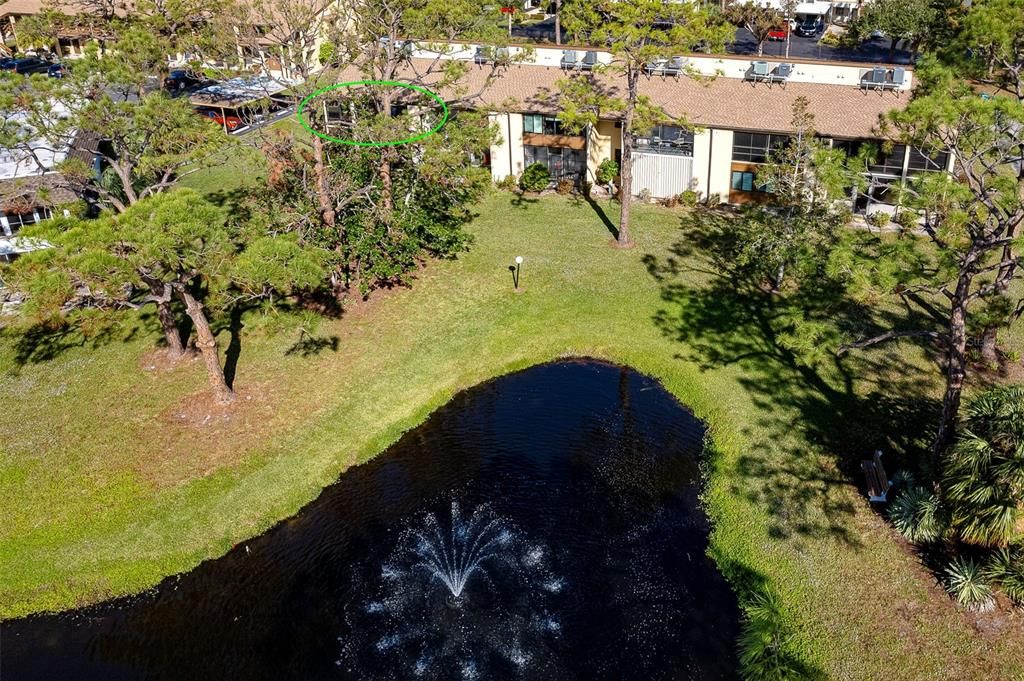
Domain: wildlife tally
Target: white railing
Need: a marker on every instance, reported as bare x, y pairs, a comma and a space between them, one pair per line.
722, 66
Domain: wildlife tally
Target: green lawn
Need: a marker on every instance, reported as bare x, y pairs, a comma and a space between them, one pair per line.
106, 488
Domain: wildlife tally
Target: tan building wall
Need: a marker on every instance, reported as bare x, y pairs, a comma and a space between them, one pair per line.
605, 140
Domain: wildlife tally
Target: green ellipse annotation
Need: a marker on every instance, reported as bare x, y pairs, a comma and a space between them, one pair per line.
339, 140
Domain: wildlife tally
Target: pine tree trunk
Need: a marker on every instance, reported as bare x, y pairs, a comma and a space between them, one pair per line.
989, 345
170, 326
956, 371
387, 201
323, 194
207, 344
626, 172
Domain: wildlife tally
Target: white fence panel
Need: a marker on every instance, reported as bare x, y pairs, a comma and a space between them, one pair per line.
663, 175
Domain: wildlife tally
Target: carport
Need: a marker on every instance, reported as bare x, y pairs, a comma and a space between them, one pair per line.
240, 96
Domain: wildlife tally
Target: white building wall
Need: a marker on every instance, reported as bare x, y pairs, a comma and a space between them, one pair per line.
701, 159
721, 164
508, 157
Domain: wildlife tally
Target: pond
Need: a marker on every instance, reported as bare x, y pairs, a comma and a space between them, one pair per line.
543, 525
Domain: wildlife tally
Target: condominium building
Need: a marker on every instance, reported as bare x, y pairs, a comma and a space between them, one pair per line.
723, 123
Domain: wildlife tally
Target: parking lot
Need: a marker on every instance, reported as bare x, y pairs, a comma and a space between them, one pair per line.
874, 51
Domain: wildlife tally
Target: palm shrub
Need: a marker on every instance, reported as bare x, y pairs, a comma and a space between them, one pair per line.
535, 178
967, 584
1006, 568
763, 639
984, 473
917, 514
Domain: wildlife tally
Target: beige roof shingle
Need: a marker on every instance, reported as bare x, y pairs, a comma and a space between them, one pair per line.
839, 110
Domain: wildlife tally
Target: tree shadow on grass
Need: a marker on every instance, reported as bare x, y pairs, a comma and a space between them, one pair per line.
234, 349
43, 343
522, 200
585, 197
310, 345
235, 201
817, 415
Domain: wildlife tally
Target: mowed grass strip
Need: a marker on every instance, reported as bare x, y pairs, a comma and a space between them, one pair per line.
106, 487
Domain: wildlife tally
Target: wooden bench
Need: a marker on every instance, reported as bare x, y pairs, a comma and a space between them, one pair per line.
878, 481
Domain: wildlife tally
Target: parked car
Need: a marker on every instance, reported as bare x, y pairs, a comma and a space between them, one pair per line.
57, 70
230, 121
27, 65
183, 79
779, 33
809, 28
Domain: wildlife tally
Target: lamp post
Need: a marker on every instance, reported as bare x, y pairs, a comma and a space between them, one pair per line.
515, 272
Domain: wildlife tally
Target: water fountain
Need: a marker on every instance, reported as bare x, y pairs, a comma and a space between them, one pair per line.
467, 593
452, 558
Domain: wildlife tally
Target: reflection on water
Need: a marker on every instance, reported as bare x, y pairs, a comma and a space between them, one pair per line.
544, 525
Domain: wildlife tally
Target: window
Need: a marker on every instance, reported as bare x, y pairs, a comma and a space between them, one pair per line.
560, 162
891, 163
543, 125
919, 161
667, 139
746, 181
755, 147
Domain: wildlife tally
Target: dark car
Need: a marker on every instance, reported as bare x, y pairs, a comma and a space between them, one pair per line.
182, 79
5, 62
809, 28
56, 71
27, 65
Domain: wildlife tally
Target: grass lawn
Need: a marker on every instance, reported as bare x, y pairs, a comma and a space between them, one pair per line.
109, 482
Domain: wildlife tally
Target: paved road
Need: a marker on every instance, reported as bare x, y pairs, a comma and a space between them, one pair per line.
873, 51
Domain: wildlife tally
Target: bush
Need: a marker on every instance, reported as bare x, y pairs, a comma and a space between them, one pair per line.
670, 201
689, 198
966, 583
907, 220
509, 183
565, 187
917, 515
535, 178
328, 53
763, 639
644, 195
983, 472
830, 39
607, 171
1006, 568
877, 219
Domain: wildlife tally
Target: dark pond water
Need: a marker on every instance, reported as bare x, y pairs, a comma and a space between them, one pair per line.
544, 525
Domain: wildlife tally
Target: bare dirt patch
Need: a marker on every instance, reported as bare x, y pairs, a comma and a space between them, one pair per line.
160, 360
199, 435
